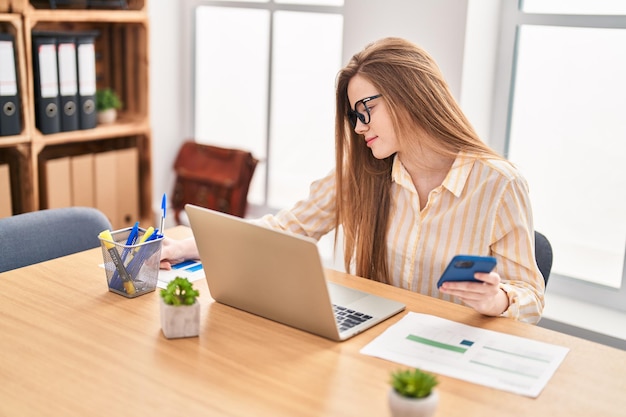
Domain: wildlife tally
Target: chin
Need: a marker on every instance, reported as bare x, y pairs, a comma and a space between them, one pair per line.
381, 155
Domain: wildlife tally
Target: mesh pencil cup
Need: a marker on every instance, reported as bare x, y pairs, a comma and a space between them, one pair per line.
131, 270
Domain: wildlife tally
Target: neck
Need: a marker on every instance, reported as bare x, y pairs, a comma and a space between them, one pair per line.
427, 164
426, 176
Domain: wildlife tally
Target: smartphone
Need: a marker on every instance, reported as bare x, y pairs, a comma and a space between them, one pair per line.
463, 267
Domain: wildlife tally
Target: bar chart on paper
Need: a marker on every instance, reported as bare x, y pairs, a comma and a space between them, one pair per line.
191, 269
485, 357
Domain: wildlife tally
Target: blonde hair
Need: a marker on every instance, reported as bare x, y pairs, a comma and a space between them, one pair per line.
418, 100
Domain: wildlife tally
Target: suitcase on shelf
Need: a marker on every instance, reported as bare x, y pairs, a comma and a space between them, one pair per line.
212, 177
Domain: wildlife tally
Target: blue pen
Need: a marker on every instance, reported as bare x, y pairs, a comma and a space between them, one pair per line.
163, 208
132, 238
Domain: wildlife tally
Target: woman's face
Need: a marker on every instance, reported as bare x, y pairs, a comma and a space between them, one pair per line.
378, 134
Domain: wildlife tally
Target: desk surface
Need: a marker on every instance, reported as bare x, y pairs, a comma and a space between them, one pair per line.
70, 347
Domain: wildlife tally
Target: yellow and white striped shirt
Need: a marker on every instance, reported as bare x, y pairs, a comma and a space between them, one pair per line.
481, 208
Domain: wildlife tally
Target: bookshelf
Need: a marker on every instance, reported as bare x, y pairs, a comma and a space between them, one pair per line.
47, 170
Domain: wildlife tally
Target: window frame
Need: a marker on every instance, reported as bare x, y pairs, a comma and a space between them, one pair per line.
189, 17
512, 17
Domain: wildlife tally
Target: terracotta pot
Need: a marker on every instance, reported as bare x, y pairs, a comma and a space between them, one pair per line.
180, 321
413, 407
108, 116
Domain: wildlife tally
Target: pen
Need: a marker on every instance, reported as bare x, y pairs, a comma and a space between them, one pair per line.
163, 208
132, 238
143, 253
146, 235
107, 239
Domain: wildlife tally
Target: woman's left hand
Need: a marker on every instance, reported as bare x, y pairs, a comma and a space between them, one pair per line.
486, 296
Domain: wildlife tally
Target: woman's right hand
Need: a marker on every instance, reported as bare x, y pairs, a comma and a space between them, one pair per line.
176, 251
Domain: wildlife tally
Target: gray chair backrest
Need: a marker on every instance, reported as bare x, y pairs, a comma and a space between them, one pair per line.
543, 255
38, 236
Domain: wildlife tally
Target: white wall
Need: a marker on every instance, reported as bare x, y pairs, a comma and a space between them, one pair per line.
437, 26
479, 66
167, 64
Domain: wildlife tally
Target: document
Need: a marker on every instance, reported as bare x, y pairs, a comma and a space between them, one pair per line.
192, 270
497, 360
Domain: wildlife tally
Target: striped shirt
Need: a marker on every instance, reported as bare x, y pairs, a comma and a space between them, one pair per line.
481, 208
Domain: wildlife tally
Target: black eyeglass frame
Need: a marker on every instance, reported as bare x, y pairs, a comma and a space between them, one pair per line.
353, 114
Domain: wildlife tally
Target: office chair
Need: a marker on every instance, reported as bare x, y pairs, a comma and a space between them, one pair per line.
38, 236
543, 255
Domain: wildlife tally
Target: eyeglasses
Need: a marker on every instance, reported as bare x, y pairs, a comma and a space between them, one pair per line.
361, 111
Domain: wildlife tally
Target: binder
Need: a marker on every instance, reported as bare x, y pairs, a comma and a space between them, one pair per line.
10, 120
86, 57
47, 102
68, 83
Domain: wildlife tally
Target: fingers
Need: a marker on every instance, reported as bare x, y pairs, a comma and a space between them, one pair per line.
481, 296
487, 284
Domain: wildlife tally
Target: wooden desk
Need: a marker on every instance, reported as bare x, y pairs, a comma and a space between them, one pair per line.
69, 347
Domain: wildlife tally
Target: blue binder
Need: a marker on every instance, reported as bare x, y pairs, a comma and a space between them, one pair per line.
10, 116
68, 82
86, 60
47, 117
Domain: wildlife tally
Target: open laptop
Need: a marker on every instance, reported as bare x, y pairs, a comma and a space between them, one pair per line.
279, 276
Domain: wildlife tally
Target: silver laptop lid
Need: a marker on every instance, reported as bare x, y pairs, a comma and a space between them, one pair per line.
276, 275
266, 272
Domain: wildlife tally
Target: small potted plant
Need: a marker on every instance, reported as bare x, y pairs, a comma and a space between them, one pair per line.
180, 309
412, 393
107, 105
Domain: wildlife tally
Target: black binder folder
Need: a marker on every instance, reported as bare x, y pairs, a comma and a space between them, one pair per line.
47, 101
86, 59
68, 82
10, 120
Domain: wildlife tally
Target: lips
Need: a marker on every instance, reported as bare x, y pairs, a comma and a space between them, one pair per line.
368, 141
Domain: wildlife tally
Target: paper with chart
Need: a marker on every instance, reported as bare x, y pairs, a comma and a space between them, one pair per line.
498, 360
192, 270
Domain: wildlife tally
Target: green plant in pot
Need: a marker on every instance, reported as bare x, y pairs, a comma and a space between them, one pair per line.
413, 393
180, 309
107, 105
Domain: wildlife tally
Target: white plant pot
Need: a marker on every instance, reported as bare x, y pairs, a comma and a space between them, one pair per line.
108, 116
180, 321
413, 407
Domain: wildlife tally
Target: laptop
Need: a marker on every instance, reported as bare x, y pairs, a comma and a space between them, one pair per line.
279, 276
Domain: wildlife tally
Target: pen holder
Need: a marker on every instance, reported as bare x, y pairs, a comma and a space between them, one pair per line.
131, 270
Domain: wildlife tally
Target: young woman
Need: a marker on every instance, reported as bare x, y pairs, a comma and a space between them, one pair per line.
413, 186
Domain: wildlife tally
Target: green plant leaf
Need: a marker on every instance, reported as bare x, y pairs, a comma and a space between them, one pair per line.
413, 383
179, 291
106, 99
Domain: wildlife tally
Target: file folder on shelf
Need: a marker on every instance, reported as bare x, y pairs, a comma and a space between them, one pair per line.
68, 83
86, 57
47, 116
9, 96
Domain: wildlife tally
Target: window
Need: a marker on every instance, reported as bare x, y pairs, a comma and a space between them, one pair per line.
565, 130
265, 82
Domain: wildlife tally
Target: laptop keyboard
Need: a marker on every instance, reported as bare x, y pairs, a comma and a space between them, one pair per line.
347, 318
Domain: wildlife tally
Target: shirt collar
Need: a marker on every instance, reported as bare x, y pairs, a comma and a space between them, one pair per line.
454, 181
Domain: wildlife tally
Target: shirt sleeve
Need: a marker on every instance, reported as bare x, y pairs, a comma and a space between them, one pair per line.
514, 249
312, 217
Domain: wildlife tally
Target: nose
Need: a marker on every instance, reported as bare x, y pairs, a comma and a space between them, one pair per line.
360, 127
